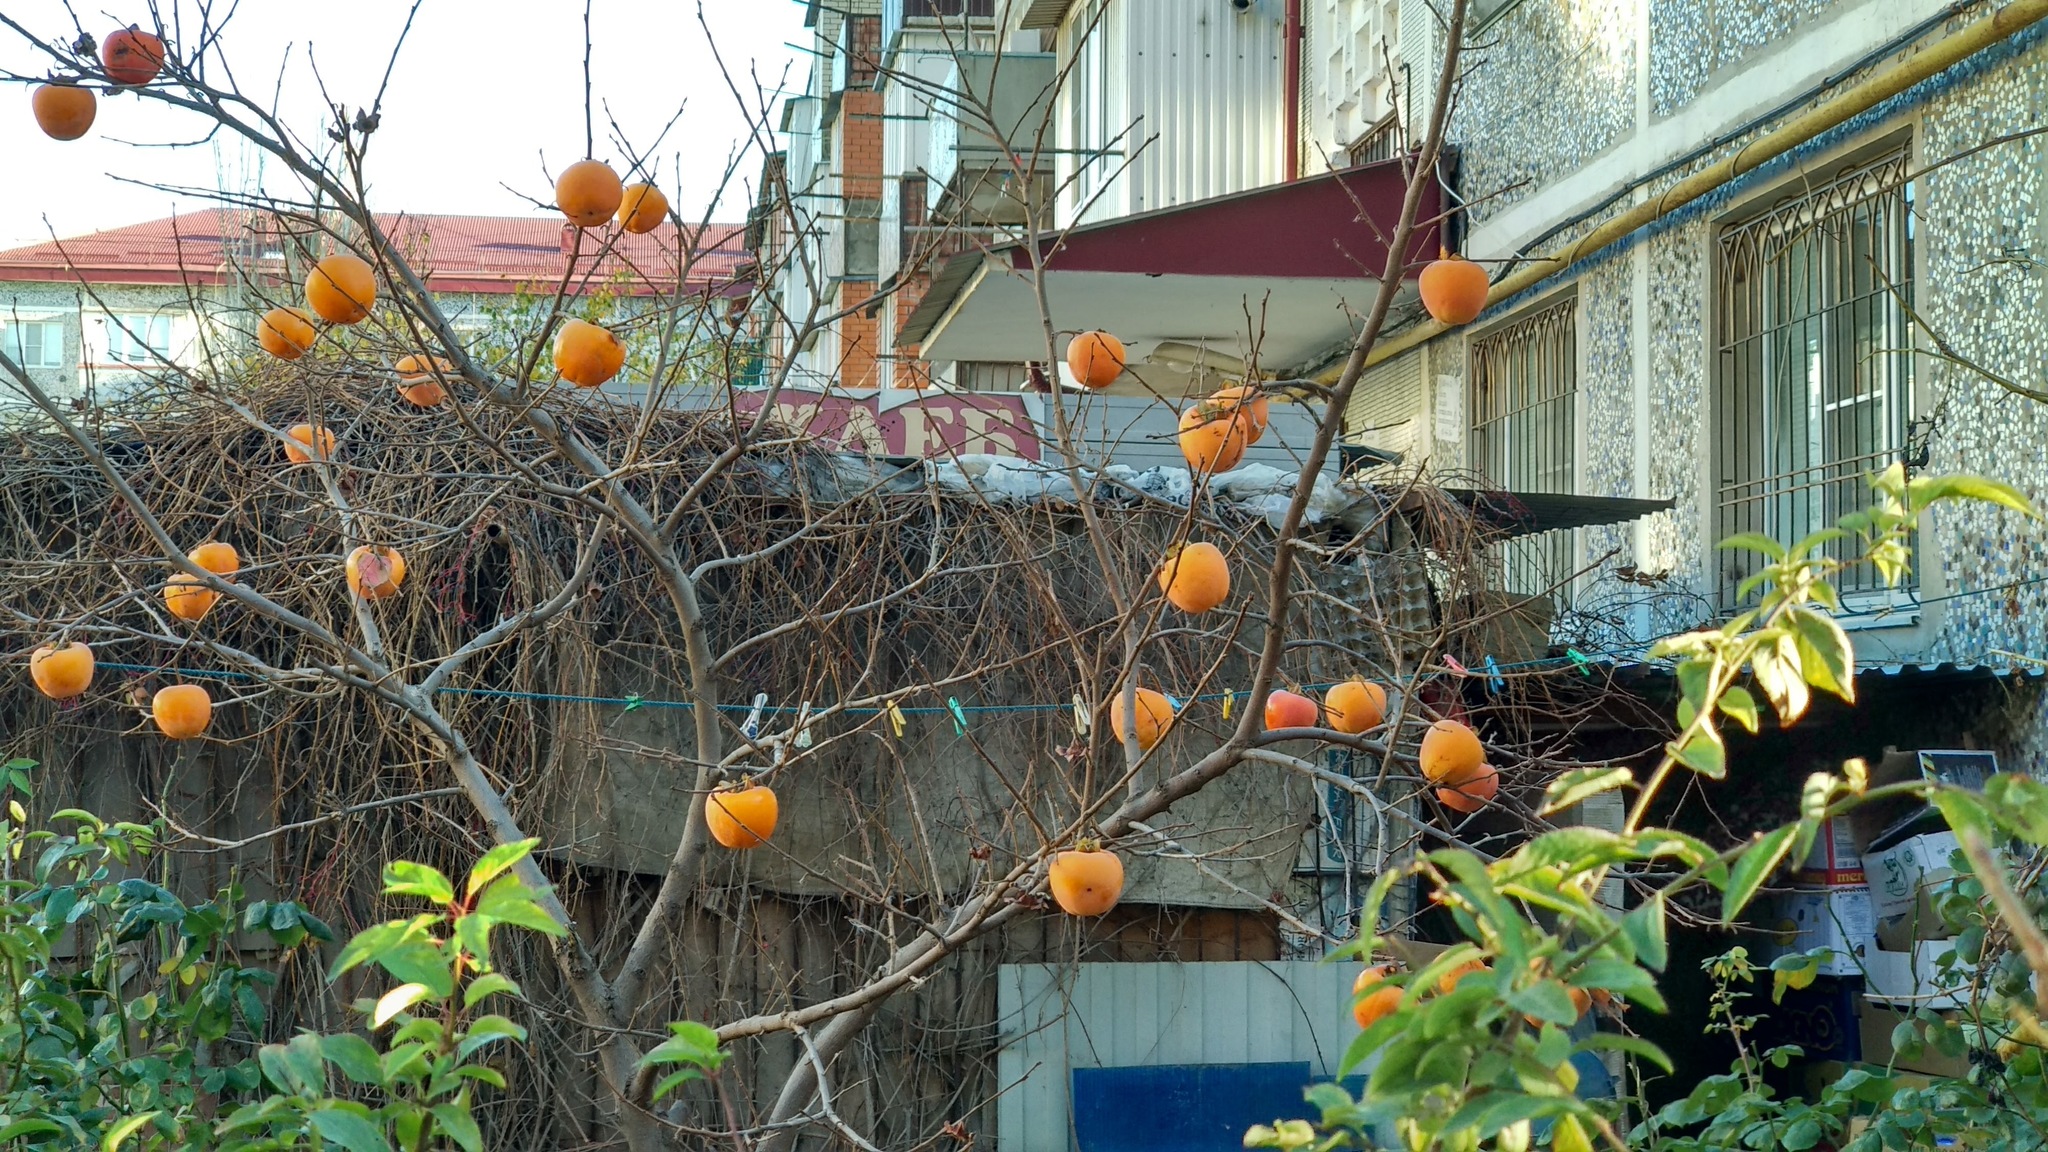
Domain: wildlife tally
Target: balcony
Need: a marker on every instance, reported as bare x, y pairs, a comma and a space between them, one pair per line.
897, 14
973, 179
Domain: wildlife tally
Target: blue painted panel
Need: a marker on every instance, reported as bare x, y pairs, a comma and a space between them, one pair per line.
1183, 1107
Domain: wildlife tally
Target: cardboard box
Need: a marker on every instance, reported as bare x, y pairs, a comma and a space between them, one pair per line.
1874, 1025
1820, 1019
1914, 979
1835, 860
1879, 822
1836, 918
1900, 872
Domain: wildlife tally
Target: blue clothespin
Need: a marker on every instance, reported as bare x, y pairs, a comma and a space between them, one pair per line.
959, 715
1494, 683
752, 727
1173, 702
1578, 658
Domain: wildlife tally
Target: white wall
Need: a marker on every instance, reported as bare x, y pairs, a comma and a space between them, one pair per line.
1052, 1019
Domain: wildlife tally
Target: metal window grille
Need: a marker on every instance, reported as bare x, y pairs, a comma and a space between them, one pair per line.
1815, 367
1524, 422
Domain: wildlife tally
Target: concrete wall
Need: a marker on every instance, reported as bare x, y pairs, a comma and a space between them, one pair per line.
1570, 104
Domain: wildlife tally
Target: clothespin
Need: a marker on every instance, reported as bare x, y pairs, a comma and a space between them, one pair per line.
1172, 702
1494, 682
1451, 662
1578, 658
752, 727
1080, 715
803, 725
895, 718
1229, 698
959, 715
634, 701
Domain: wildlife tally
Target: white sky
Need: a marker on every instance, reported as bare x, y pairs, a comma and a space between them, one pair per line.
483, 91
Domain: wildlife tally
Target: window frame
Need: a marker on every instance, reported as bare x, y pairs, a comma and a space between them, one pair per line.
18, 350
1543, 564
1849, 327
122, 328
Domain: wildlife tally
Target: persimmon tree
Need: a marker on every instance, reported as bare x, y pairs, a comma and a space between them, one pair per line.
720, 538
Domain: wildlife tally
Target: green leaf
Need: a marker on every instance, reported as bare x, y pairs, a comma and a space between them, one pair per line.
487, 1029
119, 1133
1776, 666
1926, 491
456, 1121
354, 1056
420, 963
396, 1001
1580, 784
1795, 972
510, 902
1645, 929
31, 1127
1738, 705
1546, 1000
1826, 659
349, 1129
488, 984
1633, 1045
405, 878
2021, 804
1704, 753
1753, 542
497, 861
1753, 867
367, 943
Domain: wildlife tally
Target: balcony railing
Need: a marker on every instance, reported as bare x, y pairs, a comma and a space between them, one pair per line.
897, 13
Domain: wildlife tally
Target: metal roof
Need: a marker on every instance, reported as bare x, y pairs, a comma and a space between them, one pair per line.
1522, 513
491, 254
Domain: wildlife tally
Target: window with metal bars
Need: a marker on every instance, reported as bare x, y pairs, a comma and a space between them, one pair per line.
1814, 384
1525, 380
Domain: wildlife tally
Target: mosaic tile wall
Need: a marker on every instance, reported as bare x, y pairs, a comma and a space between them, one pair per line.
1690, 41
1981, 260
1550, 84
1984, 291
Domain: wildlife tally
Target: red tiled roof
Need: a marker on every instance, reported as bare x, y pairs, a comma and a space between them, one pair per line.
490, 254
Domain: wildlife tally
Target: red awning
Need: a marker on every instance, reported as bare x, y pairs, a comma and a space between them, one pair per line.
1289, 268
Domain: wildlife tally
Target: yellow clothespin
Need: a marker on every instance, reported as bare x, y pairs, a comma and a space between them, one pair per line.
895, 719
1229, 698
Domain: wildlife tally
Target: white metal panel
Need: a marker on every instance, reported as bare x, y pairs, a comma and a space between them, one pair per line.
1387, 408
1195, 93
1055, 1018
1205, 80
1143, 433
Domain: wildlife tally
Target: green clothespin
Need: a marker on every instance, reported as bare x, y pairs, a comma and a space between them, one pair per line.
1579, 660
959, 715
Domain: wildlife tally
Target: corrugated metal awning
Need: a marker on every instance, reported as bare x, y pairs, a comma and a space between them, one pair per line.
1521, 513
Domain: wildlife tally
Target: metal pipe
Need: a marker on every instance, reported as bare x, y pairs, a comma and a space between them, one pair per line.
1868, 93
1290, 87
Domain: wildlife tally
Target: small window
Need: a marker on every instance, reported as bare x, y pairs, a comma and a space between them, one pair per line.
1814, 351
34, 343
1524, 433
138, 339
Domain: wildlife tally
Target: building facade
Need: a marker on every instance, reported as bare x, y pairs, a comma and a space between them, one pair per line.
103, 315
